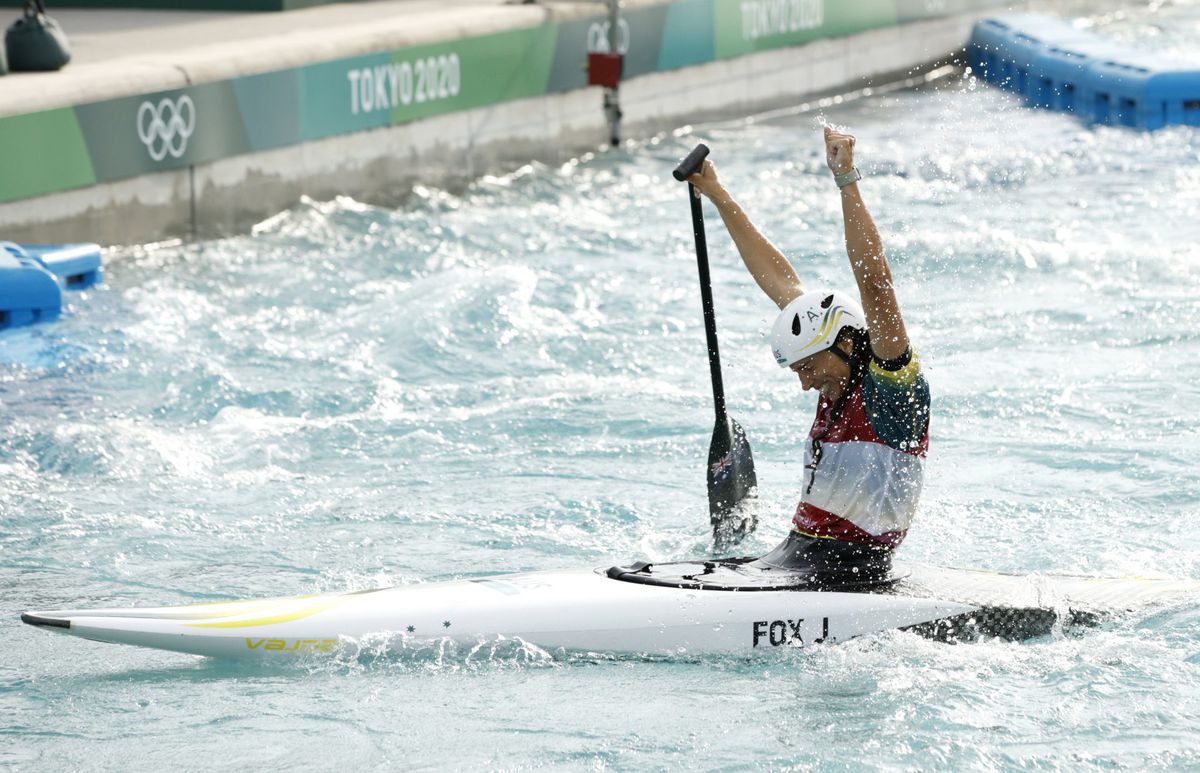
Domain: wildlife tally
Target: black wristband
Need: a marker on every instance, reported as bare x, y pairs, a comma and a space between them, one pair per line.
896, 363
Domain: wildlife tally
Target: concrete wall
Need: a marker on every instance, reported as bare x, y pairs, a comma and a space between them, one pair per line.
380, 165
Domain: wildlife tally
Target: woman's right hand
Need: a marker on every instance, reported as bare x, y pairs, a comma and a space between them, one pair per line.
706, 180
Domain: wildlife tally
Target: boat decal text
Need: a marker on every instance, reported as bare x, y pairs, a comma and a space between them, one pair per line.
780, 632
292, 645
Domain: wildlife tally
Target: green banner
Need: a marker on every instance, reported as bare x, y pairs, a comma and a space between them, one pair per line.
164, 130
58, 150
43, 153
639, 36
688, 35
270, 108
336, 98
746, 26
367, 92
474, 72
915, 10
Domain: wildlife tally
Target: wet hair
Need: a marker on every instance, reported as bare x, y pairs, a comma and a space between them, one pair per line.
860, 356
858, 360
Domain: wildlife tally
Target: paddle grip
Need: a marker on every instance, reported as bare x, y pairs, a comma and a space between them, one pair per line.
692, 163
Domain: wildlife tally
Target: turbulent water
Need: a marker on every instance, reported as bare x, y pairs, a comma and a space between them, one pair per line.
513, 378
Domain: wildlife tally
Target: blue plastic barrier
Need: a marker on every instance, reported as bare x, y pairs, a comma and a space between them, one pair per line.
77, 266
32, 278
29, 293
1054, 65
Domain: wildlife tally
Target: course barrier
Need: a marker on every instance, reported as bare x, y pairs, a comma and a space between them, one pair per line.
1056, 66
33, 277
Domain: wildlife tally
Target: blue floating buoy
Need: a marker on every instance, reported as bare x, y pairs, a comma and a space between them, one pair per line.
1056, 66
32, 278
77, 266
29, 293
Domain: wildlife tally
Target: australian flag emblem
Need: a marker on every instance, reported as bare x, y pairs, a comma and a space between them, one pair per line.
722, 467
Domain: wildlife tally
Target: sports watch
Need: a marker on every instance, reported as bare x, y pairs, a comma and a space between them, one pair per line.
845, 178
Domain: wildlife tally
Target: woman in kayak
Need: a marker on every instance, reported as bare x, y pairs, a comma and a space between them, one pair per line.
864, 462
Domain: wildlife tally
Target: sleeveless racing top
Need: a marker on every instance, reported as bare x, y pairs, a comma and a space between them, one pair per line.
864, 476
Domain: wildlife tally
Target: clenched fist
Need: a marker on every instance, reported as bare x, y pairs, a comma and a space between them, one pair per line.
706, 181
839, 151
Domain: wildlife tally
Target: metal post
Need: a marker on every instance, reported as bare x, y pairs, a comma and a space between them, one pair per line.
612, 96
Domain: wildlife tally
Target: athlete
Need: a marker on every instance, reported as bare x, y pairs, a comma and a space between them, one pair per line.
865, 456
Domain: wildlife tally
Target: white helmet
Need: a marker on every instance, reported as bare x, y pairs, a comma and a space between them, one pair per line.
811, 324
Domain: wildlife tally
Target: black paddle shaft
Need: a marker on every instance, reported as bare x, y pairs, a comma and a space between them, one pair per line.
688, 167
730, 470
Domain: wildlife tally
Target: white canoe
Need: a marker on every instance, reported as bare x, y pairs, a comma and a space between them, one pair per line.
587, 610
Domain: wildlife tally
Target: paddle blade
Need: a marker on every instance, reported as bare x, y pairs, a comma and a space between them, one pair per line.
731, 479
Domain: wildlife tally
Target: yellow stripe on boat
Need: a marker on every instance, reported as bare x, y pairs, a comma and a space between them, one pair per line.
285, 617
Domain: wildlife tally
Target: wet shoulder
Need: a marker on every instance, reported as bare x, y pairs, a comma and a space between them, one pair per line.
896, 399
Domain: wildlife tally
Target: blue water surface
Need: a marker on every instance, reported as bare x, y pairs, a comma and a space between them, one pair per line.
513, 378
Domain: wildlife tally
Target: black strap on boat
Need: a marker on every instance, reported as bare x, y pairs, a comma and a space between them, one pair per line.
618, 572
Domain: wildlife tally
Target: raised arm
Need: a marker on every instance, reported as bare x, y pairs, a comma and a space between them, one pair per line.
889, 339
766, 264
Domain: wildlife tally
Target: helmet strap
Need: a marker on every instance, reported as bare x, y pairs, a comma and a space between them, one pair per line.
838, 351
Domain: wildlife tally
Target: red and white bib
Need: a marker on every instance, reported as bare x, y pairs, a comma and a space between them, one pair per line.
867, 482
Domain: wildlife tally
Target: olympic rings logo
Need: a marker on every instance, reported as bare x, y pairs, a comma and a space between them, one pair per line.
164, 128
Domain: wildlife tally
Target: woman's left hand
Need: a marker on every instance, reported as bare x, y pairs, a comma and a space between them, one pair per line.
839, 151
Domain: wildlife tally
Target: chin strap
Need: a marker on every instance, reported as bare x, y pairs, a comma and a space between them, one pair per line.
858, 367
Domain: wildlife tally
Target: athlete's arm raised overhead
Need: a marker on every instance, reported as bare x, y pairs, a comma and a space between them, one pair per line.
766, 264
889, 339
